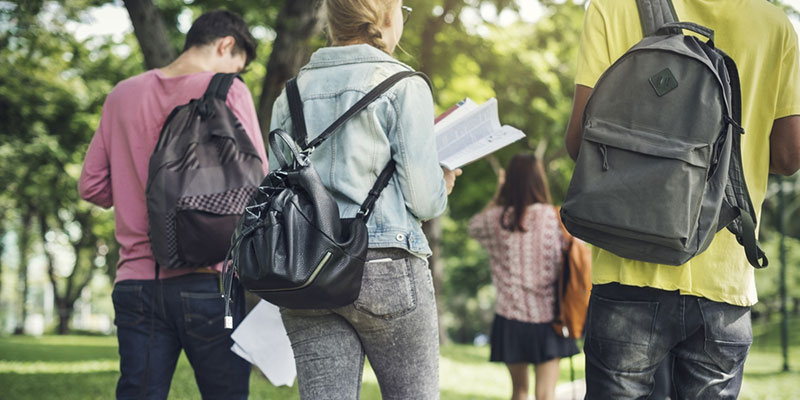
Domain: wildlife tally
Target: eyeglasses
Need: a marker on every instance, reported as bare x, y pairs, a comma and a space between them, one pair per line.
406, 12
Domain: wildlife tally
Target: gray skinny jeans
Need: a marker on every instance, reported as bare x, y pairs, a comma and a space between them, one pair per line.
393, 323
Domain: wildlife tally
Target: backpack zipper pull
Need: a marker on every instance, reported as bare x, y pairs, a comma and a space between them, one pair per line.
736, 127
604, 153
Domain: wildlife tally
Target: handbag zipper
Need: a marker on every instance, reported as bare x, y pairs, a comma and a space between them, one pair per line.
310, 279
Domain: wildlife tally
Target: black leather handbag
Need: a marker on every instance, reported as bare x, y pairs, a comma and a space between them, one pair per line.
290, 247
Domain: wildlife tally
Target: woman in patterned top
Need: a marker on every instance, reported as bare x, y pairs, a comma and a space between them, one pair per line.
520, 230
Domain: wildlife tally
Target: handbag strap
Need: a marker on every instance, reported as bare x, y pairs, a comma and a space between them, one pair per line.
380, 184
298, 118
296, 111
301, 133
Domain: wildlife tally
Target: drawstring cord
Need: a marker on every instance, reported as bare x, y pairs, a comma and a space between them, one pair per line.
227, 275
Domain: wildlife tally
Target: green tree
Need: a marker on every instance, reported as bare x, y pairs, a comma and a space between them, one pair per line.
51, 89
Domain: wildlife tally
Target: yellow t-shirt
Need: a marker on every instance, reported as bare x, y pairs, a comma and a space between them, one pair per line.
762, 41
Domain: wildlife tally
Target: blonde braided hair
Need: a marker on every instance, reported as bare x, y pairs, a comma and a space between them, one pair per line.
357, 21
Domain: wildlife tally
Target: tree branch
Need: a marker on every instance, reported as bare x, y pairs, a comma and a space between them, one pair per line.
298, 21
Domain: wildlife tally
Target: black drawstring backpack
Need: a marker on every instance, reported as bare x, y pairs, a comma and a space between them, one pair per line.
291, 247
202, 171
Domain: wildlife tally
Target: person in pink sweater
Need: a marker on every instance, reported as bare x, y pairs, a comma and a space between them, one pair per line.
157, 315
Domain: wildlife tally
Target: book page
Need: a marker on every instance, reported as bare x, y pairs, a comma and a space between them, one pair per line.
471, 132
458, 111
466, 130
498, 139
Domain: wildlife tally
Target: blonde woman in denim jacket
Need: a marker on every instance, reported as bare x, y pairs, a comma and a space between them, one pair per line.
393, 321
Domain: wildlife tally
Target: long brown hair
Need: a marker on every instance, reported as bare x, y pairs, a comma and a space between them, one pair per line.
525, 184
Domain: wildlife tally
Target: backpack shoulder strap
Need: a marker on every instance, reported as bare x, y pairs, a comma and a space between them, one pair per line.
219, 85
655, 13
298, 119
737, 196
300, 133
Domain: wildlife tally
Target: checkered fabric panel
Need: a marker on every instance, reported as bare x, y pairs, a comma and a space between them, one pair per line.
230, 202
172, 238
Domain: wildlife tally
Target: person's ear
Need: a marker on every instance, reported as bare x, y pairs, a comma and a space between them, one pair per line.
225, 45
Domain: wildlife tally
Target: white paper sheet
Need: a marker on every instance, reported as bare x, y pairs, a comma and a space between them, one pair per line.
261, 339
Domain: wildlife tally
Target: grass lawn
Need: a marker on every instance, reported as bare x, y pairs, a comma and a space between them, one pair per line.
85, 367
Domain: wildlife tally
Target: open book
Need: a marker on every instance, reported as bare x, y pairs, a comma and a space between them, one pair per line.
468, 131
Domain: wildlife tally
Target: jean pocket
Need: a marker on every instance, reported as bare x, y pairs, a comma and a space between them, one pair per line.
387, 289
620, 333
203, 314
128, 304
728, 333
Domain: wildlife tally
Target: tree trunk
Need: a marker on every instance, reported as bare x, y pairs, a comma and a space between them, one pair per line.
22, 282
65, 302
65, 309
298, 22
151, 33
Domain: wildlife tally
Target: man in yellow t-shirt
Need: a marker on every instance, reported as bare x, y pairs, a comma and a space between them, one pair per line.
699, 312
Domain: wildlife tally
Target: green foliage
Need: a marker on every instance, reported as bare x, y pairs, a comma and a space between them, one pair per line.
52, 88
468, 294
768, 280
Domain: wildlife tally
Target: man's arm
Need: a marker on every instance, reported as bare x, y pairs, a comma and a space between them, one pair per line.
575, 126
94, 184
784, 146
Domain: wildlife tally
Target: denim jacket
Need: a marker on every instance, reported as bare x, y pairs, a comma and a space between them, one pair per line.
398, 125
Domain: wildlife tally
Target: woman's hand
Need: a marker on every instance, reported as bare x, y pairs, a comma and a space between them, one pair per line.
501, 178
450, 178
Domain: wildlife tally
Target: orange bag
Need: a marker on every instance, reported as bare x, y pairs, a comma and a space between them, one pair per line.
574, 287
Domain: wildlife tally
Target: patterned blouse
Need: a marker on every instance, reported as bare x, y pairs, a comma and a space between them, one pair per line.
524, 265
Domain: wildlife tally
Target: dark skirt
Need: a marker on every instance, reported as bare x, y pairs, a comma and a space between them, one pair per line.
527, 342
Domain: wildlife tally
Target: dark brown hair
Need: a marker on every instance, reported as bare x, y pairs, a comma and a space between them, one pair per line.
220, 23
525, 184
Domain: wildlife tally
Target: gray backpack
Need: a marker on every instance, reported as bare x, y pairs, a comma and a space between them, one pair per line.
202, 173
659, 171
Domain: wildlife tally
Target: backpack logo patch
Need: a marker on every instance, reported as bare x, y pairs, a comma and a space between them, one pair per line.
663, 82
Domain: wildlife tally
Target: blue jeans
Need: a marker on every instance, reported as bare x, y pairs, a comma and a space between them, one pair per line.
632, 329
155, 320
393, 323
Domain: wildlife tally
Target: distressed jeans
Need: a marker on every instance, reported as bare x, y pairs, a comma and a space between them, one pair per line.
632, 329
393, 323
